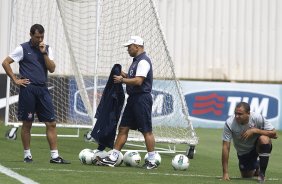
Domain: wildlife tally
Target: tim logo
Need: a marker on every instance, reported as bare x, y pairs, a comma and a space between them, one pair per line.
219, 105
162, 102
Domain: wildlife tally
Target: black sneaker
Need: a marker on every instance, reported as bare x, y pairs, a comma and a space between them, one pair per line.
106, 161
150, 165
59, 160
28, 159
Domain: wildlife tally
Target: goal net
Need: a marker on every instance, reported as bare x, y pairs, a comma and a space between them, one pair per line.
86, 37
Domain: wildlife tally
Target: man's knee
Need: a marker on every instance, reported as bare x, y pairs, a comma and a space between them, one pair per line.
123, 130
264, 144
149, 136
26, 126
264, 140
50, 125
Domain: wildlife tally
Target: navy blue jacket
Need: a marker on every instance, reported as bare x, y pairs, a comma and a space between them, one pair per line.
109, 110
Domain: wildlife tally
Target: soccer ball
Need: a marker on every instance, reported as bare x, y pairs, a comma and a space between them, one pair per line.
81, 154
86, 156
120, 158
180, 162
132, 158
12, 133
157, 157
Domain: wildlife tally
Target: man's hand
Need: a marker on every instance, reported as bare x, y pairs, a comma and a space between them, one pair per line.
248, 133
118, 78
225, 177
22, 82
42, 47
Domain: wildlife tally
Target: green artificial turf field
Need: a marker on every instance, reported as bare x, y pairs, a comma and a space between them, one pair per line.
204, 168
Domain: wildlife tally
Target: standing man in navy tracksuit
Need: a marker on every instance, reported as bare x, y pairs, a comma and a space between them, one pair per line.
35, 59
137, 113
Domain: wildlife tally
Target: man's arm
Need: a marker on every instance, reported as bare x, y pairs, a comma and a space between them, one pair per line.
250, 132
224, 159
270, 133
50, 64
6, 65
136, 81
143, 68
123, 74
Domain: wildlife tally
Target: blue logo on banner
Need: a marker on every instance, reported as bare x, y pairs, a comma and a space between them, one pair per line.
162, 101
219, 105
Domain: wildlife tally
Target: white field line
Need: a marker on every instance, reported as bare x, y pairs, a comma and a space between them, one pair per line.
16, 176
142, 173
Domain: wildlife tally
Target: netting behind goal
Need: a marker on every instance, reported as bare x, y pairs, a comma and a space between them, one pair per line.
87, 41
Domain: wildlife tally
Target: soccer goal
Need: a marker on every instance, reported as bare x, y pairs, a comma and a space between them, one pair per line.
87, 38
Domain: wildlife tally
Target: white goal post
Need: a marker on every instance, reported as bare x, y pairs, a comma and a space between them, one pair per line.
86, 37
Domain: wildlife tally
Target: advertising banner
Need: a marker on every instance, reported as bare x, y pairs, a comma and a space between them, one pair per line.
211, 103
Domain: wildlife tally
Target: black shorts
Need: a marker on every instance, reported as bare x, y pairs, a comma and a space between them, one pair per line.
137, 114
249, 161
35, 99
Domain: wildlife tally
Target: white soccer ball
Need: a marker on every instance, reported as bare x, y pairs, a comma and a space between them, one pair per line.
158, 158
86, 156
120, 158
180, 162
81, 153
132, 158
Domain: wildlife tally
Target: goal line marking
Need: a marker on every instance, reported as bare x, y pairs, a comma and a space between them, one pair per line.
16, 176
143, 173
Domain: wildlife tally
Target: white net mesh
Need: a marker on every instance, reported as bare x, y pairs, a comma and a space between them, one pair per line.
71, 31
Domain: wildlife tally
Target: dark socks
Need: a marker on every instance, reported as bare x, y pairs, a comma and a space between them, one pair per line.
265, 150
